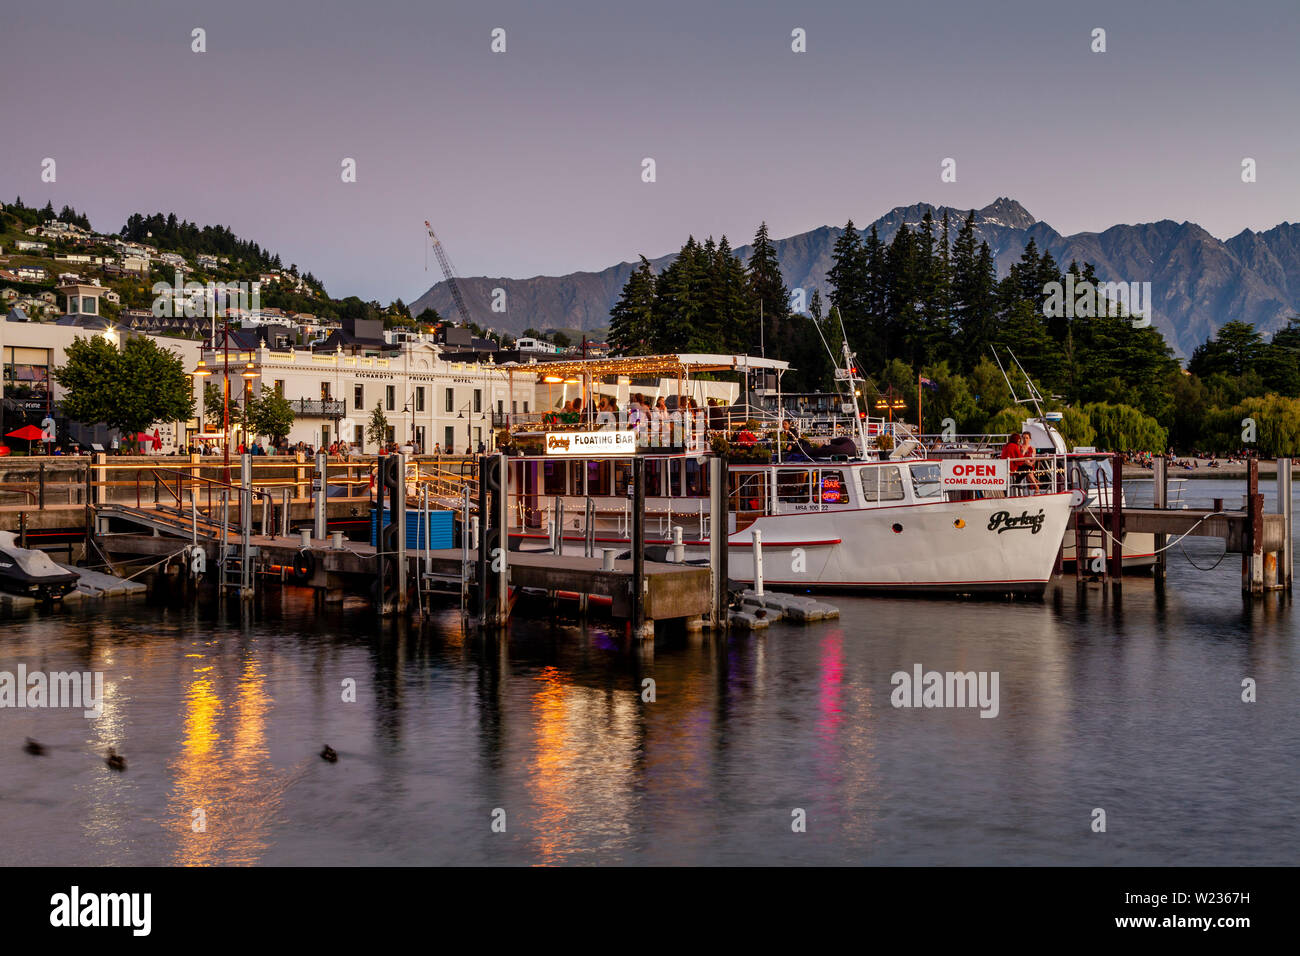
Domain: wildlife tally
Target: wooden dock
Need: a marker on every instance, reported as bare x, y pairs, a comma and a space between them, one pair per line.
671, 591
1262, 539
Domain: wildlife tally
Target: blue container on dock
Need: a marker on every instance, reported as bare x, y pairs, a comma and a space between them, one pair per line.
438, 534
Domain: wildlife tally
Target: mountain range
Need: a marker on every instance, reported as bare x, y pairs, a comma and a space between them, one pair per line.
1198, 282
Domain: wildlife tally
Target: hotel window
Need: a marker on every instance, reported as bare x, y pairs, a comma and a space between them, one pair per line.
478, 399
501, 407
324, 391
26, 371
525, 408
279, 387
390, 398
449, 439
450, 400
358, 397
419, 399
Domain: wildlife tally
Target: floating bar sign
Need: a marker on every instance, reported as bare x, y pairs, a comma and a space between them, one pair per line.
989, 474
591, 443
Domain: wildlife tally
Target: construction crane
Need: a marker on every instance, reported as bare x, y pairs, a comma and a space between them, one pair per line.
448, 273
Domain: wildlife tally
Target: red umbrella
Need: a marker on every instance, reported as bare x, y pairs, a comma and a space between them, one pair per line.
30, 432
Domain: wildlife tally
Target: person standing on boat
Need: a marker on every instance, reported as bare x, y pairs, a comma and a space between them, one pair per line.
1012, 453
1023, 466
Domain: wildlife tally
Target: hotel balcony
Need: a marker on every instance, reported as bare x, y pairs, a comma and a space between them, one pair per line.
317, 407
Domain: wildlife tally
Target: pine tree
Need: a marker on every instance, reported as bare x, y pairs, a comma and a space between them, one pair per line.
847, 275
869, 338
769, 291
733, 301
901, 297
631, 318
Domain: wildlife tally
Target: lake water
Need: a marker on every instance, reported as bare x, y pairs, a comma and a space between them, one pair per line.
1133, 706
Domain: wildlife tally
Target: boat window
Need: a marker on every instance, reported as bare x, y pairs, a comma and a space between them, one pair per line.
654, 474
881, 483
794, 487
831, 488
674, 468
553, 477
622, 478
695, 482
748, 490
575, 477
597, 478
926, 481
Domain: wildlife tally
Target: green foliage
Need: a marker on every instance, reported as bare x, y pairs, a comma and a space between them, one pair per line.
270, 414
377, 428
1274, 419
214, 409
128, 388
1006, 422
168, 232
1076, 428
1124, 428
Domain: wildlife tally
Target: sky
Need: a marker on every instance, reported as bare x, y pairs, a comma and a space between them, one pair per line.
530, 161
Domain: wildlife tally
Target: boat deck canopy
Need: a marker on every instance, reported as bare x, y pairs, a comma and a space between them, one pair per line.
659, 365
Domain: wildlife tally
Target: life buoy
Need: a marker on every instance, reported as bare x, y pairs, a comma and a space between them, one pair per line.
304, 565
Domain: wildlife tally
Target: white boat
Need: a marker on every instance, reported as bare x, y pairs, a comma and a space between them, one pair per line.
857, 522
859, 526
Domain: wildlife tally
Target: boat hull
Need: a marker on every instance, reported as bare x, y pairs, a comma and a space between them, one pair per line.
987, 546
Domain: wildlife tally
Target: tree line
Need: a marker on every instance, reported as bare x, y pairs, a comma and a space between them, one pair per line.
929, 304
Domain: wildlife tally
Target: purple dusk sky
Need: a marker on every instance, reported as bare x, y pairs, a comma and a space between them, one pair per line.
529, 162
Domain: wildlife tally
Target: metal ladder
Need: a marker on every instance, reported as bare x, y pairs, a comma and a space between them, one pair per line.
231, 565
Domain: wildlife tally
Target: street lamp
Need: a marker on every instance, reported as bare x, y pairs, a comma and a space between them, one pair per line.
469, 438
410, 407
249, 373
890, 401
201, 371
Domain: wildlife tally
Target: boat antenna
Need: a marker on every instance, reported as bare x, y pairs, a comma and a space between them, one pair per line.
849, 375
1034, 396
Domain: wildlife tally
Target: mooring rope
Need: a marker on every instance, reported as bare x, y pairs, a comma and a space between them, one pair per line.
1177, 540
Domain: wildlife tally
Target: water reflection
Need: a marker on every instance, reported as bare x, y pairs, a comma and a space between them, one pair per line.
1129, 701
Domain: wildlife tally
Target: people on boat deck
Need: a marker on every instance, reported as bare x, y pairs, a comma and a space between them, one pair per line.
1020, 454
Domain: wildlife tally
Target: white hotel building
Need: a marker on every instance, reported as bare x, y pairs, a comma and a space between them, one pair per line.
427, 398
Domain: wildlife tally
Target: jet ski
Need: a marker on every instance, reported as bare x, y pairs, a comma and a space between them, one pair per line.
32, 573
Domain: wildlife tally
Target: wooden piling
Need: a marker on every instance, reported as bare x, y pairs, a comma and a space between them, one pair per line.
1285, 555
1117, 523
718, 616
1161, 494
1252, 558
637, 597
